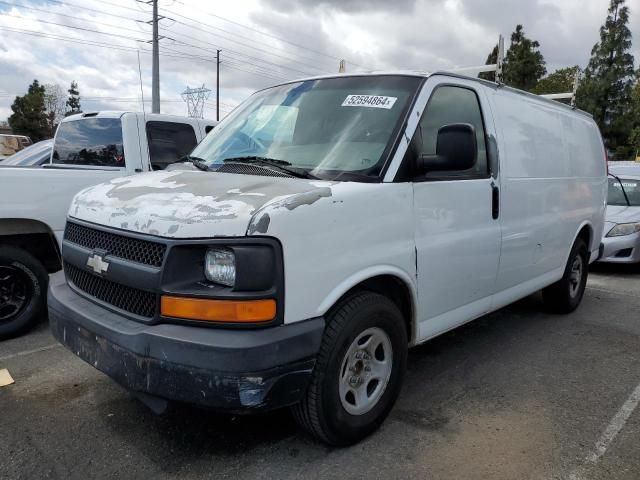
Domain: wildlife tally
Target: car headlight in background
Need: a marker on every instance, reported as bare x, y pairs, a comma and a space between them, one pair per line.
220, 266
624, 229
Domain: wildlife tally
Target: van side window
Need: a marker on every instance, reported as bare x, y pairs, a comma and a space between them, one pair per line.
448, 105
168, 142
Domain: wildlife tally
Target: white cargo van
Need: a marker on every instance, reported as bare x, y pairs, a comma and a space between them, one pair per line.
337, 221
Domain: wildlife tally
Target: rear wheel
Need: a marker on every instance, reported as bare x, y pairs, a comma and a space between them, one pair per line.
565, 295
358, 372
23, 290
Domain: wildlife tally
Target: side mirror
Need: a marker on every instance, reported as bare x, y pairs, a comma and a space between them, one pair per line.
456, 149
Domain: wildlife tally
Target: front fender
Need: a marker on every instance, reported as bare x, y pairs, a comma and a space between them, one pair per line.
331, 243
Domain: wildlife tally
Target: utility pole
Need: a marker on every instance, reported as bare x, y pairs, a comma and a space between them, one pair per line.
155, 82
217, 85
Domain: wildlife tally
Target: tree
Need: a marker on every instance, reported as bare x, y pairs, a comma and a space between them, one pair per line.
29, 116
491, 60
560, 81
634, 136
634, 141
54, 104
73, 103
523, 65
606, 89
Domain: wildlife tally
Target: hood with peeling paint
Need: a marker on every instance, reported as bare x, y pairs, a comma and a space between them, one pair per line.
193, 204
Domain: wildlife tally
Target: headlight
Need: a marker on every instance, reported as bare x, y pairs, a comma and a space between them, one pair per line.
624, 229
220, 266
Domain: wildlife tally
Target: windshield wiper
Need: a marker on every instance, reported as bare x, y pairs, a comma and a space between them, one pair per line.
624, 192
281, 165
198, 162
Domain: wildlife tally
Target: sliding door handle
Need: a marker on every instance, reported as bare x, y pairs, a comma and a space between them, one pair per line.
495, 201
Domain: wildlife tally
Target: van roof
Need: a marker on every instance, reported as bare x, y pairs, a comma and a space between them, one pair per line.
120, 113
424, 74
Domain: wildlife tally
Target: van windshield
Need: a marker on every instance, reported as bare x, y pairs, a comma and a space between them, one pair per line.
631, 188
333, 128
89, 141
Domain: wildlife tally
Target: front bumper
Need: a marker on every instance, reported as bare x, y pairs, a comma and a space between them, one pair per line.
226, 369
623, 249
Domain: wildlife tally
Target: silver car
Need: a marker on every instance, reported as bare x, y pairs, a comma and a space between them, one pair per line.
33, 156
621, 239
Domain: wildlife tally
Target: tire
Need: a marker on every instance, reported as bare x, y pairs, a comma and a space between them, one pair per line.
565, 295
368, 318
23, 290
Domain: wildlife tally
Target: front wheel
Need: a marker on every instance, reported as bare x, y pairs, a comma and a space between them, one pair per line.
565, 295
358, 372
23, 290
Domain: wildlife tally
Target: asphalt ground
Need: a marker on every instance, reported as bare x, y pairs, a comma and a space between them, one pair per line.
518, 394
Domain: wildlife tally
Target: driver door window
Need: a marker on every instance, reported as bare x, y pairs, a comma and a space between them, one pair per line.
447, 105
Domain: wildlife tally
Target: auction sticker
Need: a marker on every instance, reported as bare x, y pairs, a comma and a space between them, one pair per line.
374, 101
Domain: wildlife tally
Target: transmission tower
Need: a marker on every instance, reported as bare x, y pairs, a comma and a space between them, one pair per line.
194, 98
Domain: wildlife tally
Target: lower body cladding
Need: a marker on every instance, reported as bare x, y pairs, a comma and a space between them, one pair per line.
225, 369
621, 249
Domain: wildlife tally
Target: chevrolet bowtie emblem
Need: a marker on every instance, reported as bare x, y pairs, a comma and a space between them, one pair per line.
98, 264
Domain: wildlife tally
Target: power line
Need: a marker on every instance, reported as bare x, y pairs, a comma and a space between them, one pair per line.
234, 64
85, 42
265, 73
144, 41
265, 34
73, 27
111, 25
253, 47
183, 56
139, 21
241, 53
101, 12
104, 2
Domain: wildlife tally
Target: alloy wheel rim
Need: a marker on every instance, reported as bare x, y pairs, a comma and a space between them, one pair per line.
575, 276
14, 292
365, 371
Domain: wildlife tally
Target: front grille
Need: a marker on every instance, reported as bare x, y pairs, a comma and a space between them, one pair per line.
246, 169
132, 300
136, 250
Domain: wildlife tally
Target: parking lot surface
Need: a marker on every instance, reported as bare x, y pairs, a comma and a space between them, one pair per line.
518, 394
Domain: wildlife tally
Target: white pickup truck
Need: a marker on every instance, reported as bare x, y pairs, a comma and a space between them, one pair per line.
89, 148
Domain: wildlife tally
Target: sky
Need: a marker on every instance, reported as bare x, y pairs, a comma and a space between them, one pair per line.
263, 43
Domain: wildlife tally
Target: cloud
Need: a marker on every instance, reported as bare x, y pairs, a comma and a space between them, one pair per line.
351, 6
300, 38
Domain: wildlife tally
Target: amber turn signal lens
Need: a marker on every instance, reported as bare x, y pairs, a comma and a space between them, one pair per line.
241, 311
